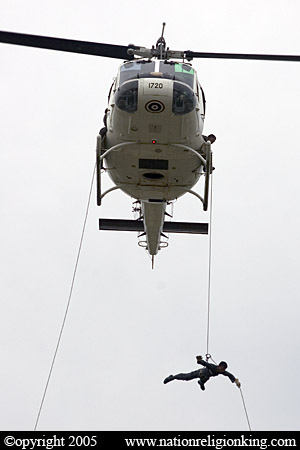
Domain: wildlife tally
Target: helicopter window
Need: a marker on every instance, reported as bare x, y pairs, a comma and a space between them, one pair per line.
178, 71
203, 99
127, 96
136, 69
184, 100
110, 91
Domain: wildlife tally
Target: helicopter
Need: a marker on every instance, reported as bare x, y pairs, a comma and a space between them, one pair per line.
152, 144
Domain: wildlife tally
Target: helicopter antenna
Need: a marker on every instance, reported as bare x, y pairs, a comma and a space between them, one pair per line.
161, 43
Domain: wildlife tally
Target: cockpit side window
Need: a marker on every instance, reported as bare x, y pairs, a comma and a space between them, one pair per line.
203, 100
135, 69
110, 90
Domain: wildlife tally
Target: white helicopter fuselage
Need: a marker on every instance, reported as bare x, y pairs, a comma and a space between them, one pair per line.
153, 167
154, 125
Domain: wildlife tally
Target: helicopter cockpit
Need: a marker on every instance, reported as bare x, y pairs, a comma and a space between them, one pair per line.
178, 72
183, 76
167, 69
136, 69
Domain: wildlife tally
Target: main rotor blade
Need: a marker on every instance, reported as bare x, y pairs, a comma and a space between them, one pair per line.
66, 45
190, 55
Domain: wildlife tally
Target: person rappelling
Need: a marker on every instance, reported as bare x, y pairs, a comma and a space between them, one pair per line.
204, 374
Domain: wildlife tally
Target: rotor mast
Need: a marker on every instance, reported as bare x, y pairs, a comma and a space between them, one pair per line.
160, 51
161, 43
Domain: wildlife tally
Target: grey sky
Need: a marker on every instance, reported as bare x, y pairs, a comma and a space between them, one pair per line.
128, 326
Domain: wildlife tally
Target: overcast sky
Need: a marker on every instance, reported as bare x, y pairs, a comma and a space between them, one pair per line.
129, 326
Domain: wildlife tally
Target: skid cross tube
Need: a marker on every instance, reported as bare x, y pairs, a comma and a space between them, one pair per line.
99, 159
114, 188
185, 147
116, 147
197, 195
206, 163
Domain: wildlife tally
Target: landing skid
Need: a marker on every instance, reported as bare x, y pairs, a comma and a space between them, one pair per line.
207, 164
101, 153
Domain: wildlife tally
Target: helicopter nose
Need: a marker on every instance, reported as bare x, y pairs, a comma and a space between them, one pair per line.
165, 96
155, 95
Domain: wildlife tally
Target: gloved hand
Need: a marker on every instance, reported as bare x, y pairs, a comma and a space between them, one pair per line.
237, 382
199, 358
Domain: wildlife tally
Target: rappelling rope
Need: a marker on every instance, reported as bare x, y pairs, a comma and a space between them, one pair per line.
245, 409
208, 355
69, 301
209, 268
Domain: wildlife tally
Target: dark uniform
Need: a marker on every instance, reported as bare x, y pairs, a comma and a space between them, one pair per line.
209, 370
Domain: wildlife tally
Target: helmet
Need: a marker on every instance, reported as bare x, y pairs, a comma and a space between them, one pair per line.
224, 364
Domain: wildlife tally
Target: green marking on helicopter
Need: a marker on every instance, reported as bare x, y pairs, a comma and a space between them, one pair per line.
180, 68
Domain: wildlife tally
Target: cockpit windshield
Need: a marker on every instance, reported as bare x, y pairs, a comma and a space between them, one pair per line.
178, 71
136, 69
167, 69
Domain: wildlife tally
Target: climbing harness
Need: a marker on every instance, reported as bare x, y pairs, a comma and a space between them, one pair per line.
68, 302
208, 356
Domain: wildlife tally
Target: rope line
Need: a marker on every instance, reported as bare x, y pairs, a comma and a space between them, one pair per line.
244, 404
209, 268
68, 303
208, 355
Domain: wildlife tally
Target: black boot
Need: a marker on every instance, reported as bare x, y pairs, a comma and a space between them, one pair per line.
201, 385
168, 379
